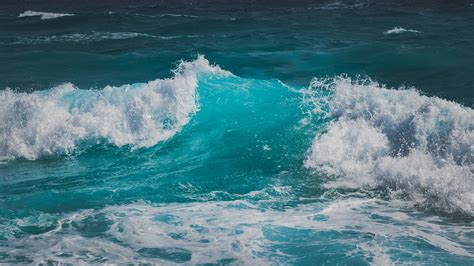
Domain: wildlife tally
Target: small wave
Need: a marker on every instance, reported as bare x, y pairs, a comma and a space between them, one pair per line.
338, 5
177, 37
420, 147
43, 15
400, 30
141, 115
178, 15
91, 37
85, 37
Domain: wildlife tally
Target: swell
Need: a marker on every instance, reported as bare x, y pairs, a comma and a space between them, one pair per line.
417, 147
92, 37
84, 37
55, 121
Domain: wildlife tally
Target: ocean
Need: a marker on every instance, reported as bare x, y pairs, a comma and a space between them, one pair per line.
237, 132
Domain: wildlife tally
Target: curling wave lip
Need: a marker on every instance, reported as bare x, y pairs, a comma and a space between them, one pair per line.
53, 122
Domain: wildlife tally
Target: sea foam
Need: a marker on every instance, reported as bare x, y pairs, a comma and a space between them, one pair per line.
237, 230
419, 147
400, 30
43, 15
54, 121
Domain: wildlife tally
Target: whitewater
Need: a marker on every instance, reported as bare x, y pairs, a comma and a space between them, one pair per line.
237, 133
396, 147
43, 15
52, 122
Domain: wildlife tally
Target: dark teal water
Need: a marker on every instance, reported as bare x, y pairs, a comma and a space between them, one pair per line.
237, 133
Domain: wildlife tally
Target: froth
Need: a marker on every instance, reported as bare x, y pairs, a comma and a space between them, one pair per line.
400, 30
55, 121
43, 15
234, 231
420, 147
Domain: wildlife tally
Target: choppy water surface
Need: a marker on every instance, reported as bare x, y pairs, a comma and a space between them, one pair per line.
237, 133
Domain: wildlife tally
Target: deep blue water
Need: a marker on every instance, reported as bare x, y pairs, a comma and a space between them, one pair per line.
237, 132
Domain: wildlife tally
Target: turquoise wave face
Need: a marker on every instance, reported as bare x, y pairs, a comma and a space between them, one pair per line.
209, 167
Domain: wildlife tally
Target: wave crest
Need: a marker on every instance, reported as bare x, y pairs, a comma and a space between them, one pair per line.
43, 15
142, 114
421, 147
85, 37
400, 30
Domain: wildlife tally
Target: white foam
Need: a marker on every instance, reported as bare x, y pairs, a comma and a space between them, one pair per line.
422, 147
338, 5
206, 232
43, 15
179, 15
141, 115
400, 30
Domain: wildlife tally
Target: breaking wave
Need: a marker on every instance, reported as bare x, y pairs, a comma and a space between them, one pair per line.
141, 115
418, 147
